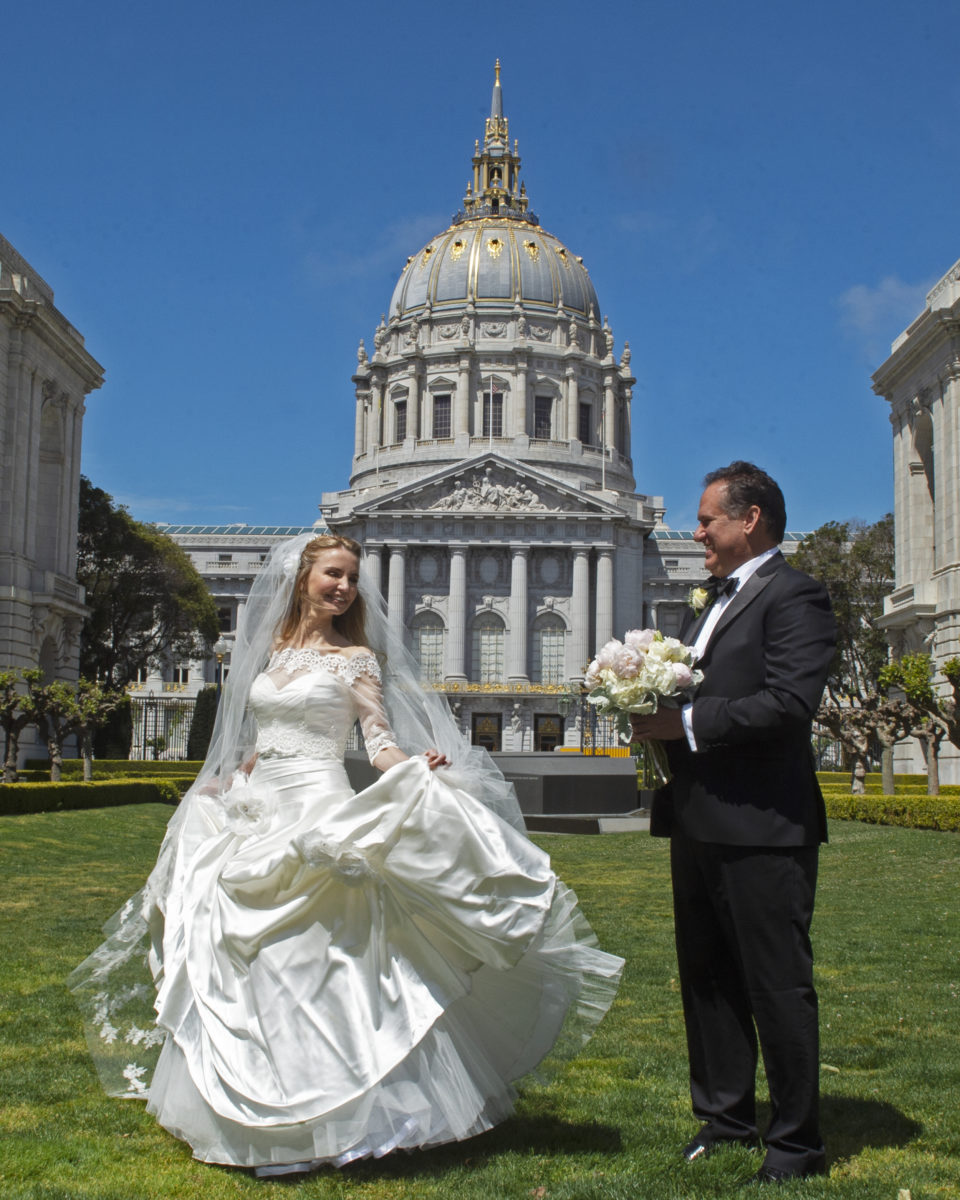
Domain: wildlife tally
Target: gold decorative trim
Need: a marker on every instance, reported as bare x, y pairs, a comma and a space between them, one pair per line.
533, 250
426, 257
495, 247
457, 249
562, 255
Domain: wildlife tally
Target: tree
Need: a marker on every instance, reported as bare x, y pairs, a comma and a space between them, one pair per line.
147, 601
16, 713
935, 717
93, 704
55, 705
855, 562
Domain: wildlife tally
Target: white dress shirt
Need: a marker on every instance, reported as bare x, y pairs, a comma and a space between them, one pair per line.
715, 612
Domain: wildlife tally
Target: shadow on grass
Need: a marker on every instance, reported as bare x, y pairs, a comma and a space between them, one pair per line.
851, 1124
544, 1134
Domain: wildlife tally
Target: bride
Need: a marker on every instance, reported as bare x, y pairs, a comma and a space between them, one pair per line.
329, 975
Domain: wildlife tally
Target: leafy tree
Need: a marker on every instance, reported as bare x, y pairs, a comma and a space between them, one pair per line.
93, 704
934, 717
855, 562
146, 599
16, 713
55, 705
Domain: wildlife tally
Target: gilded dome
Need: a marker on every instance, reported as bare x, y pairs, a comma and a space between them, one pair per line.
490, 261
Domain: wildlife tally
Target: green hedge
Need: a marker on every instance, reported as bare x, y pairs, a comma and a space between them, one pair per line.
874, 781
106, 768
912, 810
53, 797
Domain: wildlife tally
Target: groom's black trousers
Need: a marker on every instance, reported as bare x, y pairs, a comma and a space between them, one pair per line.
743, 918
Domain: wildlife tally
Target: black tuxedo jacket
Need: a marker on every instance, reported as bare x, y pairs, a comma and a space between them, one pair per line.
752, 780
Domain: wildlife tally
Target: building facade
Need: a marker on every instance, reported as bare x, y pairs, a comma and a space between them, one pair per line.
921, 383
492, 484
45, 375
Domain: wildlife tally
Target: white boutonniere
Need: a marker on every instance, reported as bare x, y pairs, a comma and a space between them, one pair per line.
698, 598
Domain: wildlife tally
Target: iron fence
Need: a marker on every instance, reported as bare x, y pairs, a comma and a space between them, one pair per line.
161, 726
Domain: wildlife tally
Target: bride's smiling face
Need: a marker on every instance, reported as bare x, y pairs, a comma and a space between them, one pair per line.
331, 585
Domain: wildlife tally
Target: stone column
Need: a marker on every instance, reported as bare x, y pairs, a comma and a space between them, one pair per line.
374, 564
457, 623
604, 596
580, 616
461, 403
359, 428
572, 406
413, 404
397, 588
609, 418
373, 424
517, 662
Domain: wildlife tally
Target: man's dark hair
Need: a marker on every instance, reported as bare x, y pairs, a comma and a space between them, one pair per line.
747, 486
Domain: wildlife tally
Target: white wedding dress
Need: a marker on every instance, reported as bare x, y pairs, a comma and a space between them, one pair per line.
341, 974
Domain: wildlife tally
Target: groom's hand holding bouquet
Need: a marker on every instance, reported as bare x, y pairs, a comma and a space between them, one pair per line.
642, 682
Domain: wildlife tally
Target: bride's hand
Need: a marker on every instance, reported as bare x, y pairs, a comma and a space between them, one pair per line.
435, 759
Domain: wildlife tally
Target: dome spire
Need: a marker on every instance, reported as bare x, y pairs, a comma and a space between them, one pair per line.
496, 101
496, 189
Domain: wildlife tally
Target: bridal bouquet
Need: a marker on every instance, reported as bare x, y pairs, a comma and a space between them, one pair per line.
637, 675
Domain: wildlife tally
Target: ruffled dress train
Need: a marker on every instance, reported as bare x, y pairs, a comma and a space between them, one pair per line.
342, 974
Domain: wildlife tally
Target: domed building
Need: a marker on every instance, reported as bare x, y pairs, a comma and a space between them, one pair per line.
492, 483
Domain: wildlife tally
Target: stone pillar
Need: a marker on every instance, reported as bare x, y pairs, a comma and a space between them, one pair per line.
359, 427
413, 404
580, 655
397, 588
572, 406
461, 404
374, 564
373, 423
517, 662
609, 418
457, 621
604, 596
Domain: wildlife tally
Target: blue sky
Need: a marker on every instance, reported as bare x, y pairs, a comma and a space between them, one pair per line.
223, 195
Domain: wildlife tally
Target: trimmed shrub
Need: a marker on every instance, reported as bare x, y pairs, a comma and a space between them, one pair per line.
913, 810
112, 739
201, 727
55, 797
109, 768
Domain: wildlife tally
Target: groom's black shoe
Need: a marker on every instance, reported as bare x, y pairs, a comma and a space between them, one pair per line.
781, 1175
704, 1144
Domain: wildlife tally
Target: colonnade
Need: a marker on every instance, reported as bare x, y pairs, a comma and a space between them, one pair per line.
591, 572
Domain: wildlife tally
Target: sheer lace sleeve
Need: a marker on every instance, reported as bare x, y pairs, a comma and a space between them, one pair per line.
365, 683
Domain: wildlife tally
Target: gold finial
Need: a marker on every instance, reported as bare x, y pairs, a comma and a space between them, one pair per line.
497, 69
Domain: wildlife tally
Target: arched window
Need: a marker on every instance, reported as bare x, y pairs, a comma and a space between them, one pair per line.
549, 636
427, 629
487, 644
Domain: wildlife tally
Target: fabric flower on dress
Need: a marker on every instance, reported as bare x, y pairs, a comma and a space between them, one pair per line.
244, 809
350, 864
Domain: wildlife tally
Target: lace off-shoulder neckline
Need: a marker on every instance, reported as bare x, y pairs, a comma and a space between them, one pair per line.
306, 658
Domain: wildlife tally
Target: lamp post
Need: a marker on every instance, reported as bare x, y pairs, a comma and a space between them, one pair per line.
221, 649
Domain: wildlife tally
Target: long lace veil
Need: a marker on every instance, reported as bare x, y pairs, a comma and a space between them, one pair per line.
115, 985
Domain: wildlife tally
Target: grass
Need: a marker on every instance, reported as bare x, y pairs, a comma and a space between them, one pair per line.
610, 1127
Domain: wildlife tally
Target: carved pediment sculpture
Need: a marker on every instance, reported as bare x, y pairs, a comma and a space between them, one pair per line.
485, 494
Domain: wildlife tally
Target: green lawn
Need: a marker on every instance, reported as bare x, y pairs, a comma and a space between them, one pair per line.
887, 936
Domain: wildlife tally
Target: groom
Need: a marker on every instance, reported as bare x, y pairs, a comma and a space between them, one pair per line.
745, 815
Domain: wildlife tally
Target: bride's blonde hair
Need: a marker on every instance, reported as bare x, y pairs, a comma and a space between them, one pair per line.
350, 623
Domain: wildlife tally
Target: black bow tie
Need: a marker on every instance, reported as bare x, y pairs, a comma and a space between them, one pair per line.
721, 587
